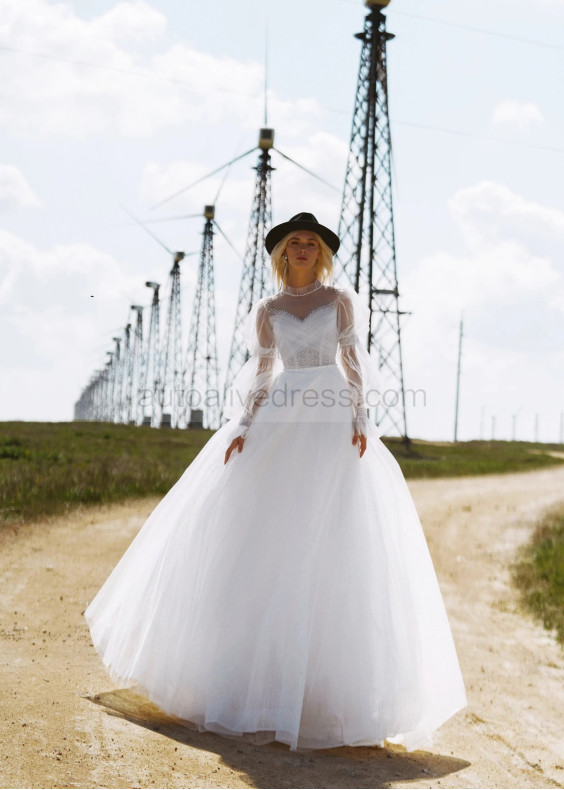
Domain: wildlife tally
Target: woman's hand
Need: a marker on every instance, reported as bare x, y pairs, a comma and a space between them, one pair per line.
237, 443
361, 439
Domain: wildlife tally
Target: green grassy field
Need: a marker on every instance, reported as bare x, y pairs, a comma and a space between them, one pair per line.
49, 468
447, 459
539, 573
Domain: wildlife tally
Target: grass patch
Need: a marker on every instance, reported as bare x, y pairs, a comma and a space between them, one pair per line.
423, 459
539, 572
50, 468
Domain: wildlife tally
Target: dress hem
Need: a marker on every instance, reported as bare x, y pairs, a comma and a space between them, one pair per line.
263, 736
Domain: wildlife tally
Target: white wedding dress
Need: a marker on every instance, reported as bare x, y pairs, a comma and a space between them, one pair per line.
288, 593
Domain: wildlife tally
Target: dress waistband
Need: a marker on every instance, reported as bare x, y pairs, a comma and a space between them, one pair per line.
312, 367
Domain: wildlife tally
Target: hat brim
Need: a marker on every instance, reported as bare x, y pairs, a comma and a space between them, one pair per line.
277, 233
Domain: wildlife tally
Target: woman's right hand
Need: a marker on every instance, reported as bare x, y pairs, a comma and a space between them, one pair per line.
237, 443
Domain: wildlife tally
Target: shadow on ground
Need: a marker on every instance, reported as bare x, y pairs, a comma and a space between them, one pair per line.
274, 765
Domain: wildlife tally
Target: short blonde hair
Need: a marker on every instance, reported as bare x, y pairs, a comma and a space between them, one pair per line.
323, 267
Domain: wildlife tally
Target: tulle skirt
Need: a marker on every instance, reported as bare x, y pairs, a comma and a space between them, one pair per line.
289, 593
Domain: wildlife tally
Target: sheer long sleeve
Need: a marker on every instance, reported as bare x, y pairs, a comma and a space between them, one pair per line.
360, 368
263, 350
253, 381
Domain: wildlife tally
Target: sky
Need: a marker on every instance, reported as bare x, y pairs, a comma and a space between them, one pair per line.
105, 105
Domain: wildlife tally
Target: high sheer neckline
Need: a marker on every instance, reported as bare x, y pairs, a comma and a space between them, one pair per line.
301, 290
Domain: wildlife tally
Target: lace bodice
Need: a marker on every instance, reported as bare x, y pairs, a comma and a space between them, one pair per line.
305, 335
307, 327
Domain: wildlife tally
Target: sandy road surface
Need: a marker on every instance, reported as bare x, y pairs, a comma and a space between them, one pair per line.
63, 724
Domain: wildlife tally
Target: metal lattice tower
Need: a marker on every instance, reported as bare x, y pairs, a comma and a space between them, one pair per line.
134, 368
170, 373
110, 386
127, 357
107, 388
254, 284
150, 385
86, 406
125, 395
201, 376
116, 414
101, 405
366, 226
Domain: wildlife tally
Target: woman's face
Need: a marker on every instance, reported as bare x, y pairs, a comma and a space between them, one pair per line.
302, 250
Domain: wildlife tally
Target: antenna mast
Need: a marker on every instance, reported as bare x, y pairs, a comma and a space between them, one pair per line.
134, 369
366, 226
169, 374
151, 384
254, 275
202, 376
265, 76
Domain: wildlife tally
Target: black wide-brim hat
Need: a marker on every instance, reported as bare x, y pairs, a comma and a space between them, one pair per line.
302, 221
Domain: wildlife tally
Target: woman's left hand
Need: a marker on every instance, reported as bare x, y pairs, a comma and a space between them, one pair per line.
361, 439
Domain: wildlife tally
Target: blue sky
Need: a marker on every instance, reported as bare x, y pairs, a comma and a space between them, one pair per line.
137, 99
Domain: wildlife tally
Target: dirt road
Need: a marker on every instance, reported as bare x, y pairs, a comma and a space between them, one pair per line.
62, 724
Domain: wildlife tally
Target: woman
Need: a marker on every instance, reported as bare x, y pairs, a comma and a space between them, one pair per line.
283, 588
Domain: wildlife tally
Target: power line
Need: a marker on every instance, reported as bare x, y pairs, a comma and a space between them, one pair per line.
479, 136
131, 72
483, 31
480, 30
457, 132
333, 110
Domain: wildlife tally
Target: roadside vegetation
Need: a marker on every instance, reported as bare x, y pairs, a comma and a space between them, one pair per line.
50, 468
449, 459
539, 572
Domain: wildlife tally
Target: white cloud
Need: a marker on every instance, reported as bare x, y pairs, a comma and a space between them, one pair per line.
28, 271
84, 85
76, 281
99, 75
117, 72
221, 87
130, 21
159, 182
510, 286
64, 98
520, 114
509, 262
15, 190
60, 308
487, 213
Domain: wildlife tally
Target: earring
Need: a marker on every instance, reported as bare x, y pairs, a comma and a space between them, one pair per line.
285, 258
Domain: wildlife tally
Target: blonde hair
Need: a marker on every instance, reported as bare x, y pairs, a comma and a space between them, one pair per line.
323, 266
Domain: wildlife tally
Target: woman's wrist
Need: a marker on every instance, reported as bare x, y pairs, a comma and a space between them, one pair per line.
360, 421
244, 425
